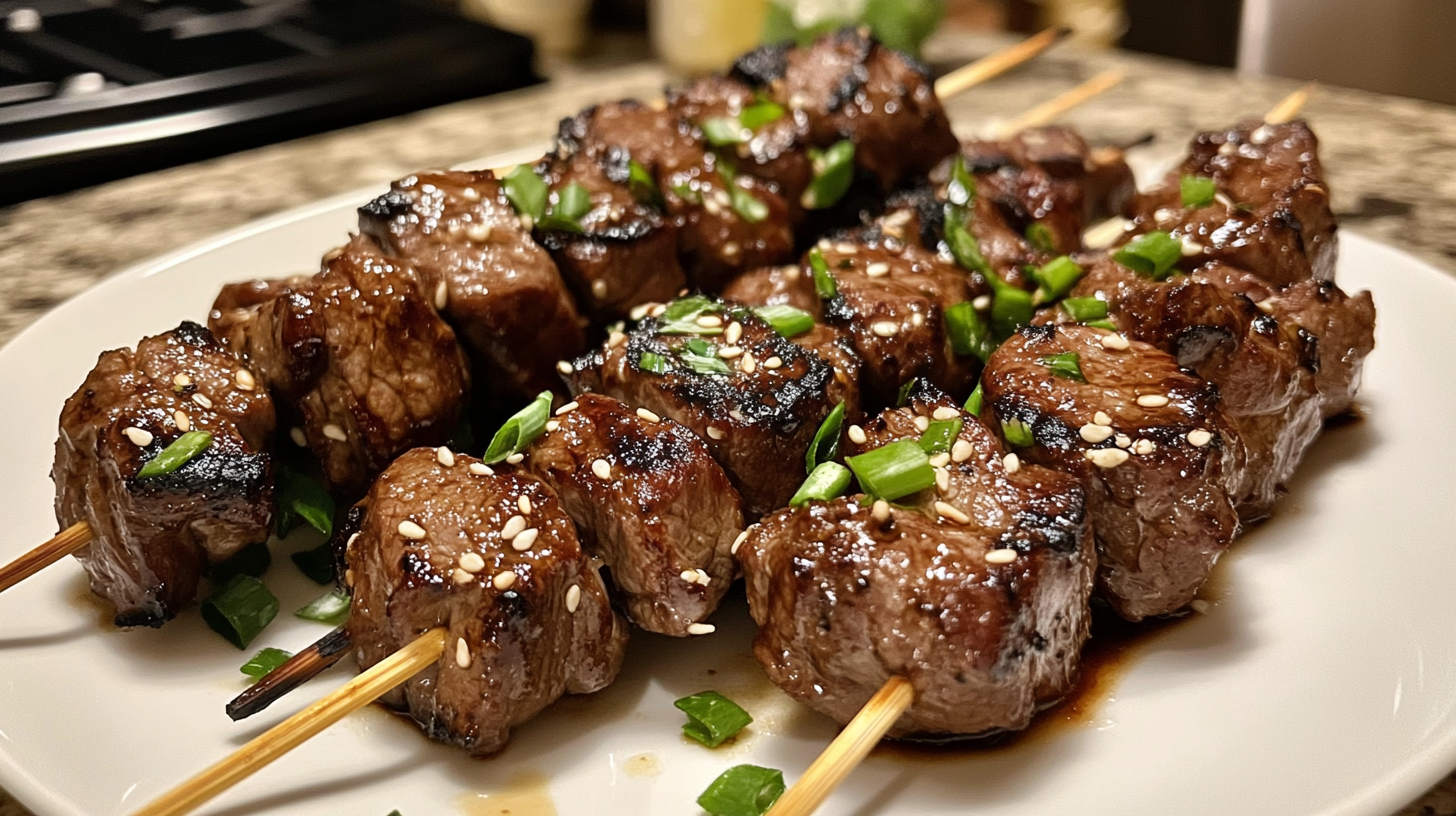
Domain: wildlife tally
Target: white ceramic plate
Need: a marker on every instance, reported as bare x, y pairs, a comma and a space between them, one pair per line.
1322, 682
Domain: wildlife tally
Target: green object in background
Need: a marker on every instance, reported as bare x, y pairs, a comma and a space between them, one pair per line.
331, 608
240, 609
899, 24
264, 662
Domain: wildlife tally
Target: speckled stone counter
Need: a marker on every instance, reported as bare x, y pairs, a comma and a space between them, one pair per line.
1391, 163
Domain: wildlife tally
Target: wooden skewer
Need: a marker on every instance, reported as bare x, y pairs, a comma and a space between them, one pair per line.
847, 750
1290, 106
993, 65
63, 544
292, 732
1048, 111
296, 671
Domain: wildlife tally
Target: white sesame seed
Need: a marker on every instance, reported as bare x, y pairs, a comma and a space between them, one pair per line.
335, 433
1143, 447
1001, 556
703, 577
731, 249
1164, 216
553, 425
885, 328
479, 233
1199, 437
526, 222
470, 194
729, 352
568, 408
564, 367
352, 538
1123, 441
298, 437
573, 598
442, 296
515, 458
773, 362
961, 451
981, 303
481, 469
1227, 149
917, 319
722, 199
244, 380
1107, 457
504, 580
138, 437
748, 364
733, 333
1199, 605
689, 575
1191, 247
513, 527
657, 310
712, 206
1011, 462
1223, 199
857, 435
648, 415
445, 456
523, 542
1152, 400
599, 289
738, 542
602, 469
880, 510
942, 479
183, 423
709, 321
462, 653
845, 248
940, 460
411, 530
952, 513
1115, 341
616, 339
878, 269
524, 503
921, 423
471, 562
348, 577
945, 412
181, 380
460, 576
715, 433
202, 400
1101, 418
1095, 433
701, 628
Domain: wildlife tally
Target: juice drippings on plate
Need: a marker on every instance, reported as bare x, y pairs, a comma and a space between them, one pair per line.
82, 598
642, 765
526, 794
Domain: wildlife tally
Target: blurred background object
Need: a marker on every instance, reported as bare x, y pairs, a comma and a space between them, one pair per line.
702, 36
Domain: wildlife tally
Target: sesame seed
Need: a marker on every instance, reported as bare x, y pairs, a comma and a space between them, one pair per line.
138, 437
573, 598
880, 510
857, 435
181, 380
961, 451
445, 456
602, 469
729, 352
748, 364
1101, 418
352, 539
470, 194
481, 469
460, 576
599, 289
1122, 441
1152, 400
738, 542
202, 400
733, 333
526, 222
1164, 216
553, 425
721, 197
952, 513
615, 339
409, 529
773, 362
1199, 605
462, 653
735, 414
1011, 462
712, 206
524, 503
714, 432
940, 460
564, 367
1266, 305
917, 319
479, 233
335, 433
981, 303
731, 249
1199, 437
442, 296
513, 527
1191, 247
691, 576
921, 423
298, 437
844, 248
568, 408
701, 628
1003, 555
709, 321
183, 423
703, 577
504, 580
878, 269
1107, 457
657, 310
1115, 342
648, 415
885, 328
515, 458
348, 577
523, 542
942, 479
471, 562
1143, 447
1095, 433
244, 379
944, 412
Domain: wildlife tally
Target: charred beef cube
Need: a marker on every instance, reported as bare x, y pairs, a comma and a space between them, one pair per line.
755, 398
976, 590
789, 285
1344, 328
1147, 438
154, 537
526, 624
1271, 215
358, 356
492, 282
649, 500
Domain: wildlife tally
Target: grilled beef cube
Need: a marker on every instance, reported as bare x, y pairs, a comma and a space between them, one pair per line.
789, 285
1272, 214
976, 590
154, 537
756, 408
491, 281
649, 500
1147, 438
1344, 327
358, 355
526, 624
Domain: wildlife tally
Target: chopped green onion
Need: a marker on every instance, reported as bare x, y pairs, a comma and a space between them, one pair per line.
824, 283
689, 307
833, 173
572, 202
969, 334
1017, 433
1197, 191
1103, 324
526, 191
962, 187
1040, 237
643, 186
712, 718
317, 563
653, 363
702, 357
786, 320
1084, 309
299, 497
520, 430
177, 454
1057, 277
1152, 255
963, 245
746, 204
828, 480
253, 560
940, 435
1067, 365
897, 469
688, 193
240, 609
331, 608
903, 396
826, 440
973, 402
725, 130
1009, 309
687, 327
264, 662
743, 790
760, 113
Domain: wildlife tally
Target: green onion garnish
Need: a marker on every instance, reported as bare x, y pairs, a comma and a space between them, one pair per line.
903, 395
1057, 277
240, 609
520, 430
1084, 309
963, 245
1067, 365
743, 790
331, 608
572, 202
969, 334
712, 718
725, 130
253, 560
833, 172
299, 497
824, 283
687, 193
1152, 255
653, 363
687, 327
1009, 309
526, 191
317, 563
689, 307
1197, 191
760, 113
263, 662
828, 480
643, 186
748, 207
973, 402
826, 440
897, 469
940, 435
177, 454
1040, 236
786, 320
702, 357
962, 187
1017, 433
1103, 324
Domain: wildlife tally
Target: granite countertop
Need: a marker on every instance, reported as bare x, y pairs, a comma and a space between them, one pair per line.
1404, 193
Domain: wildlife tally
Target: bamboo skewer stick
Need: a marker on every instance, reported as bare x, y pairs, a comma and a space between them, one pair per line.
1048, 111
994, 65
1290, 106
294, 731
299, 669
63, 544
847, 750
